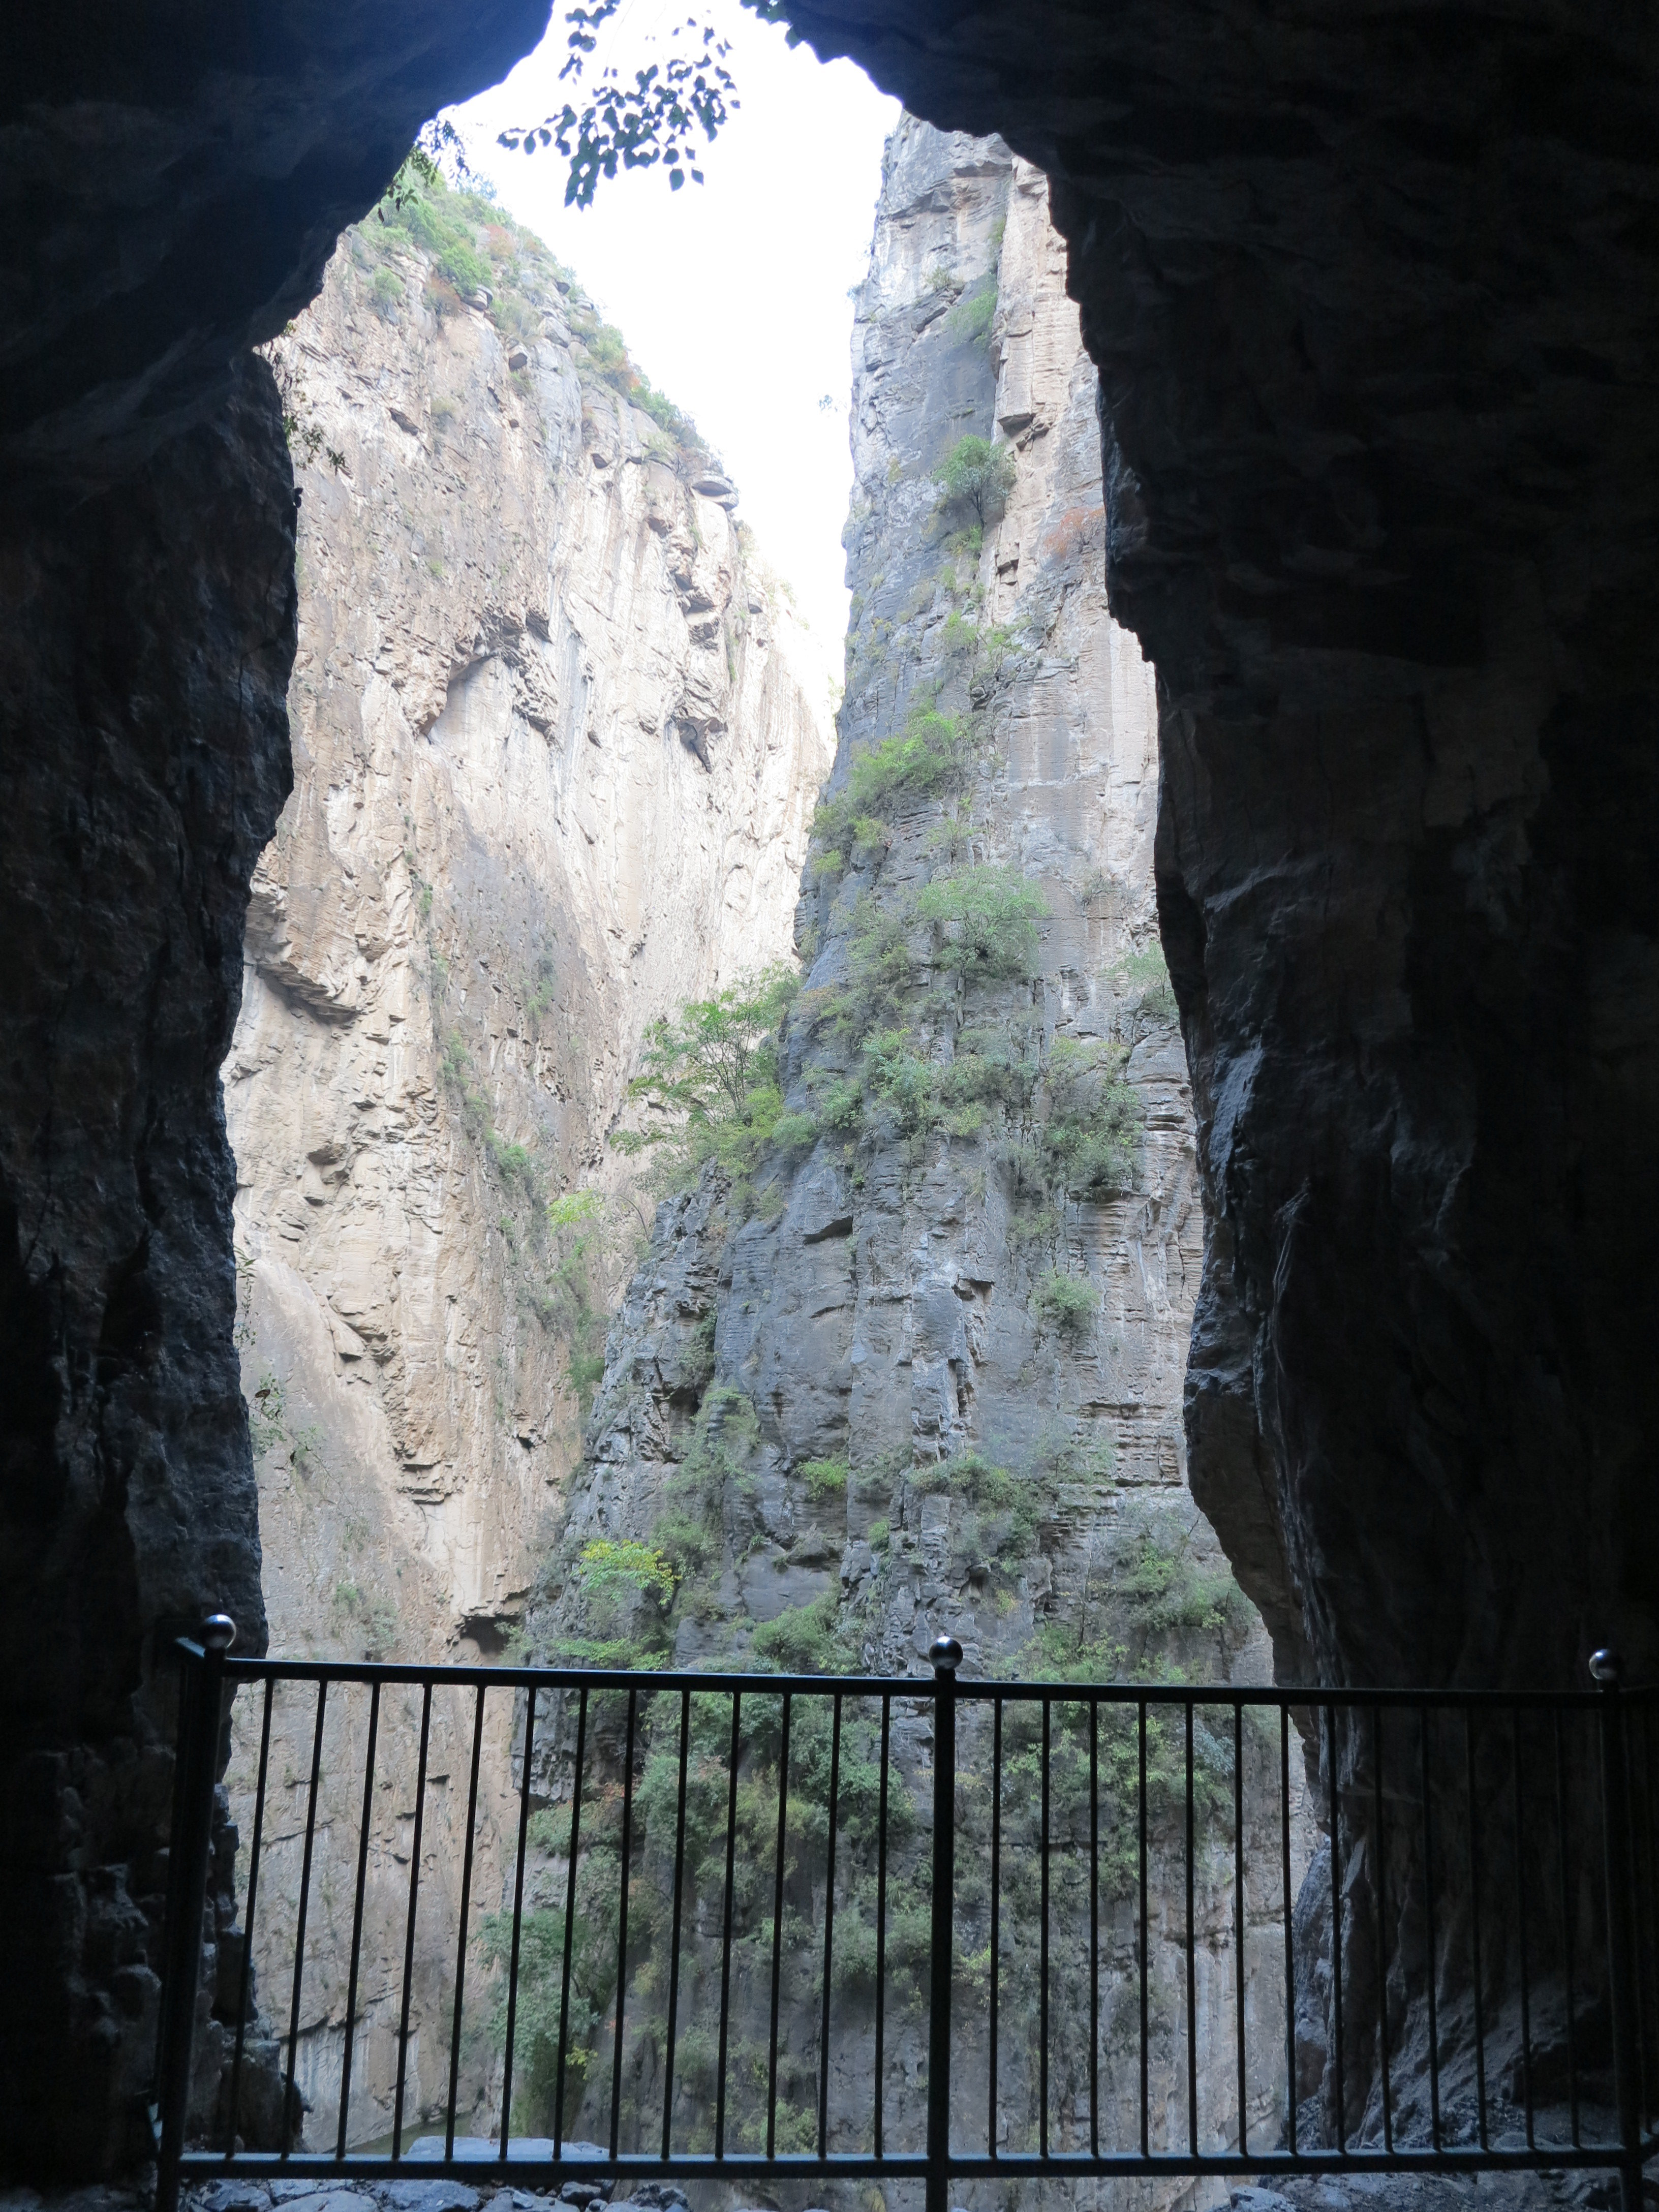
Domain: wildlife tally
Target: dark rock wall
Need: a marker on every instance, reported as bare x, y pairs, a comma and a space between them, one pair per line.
1372, 297
144, 759
171, 185
173, 181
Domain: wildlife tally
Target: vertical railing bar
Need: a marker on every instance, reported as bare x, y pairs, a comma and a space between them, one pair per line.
1145, 1947
996, 1921
1382, 1929
1192, 1944
828, 1931
881, 1919
1238, 1918
1290, 1934
172, 2094
1638, 1911
518, 1917
409, 1925
300, 1923
245, 1978
1521, 1923
674, 1937
1566, 1931
1474, 1930
1094, 1927
1651, 1886
945, 1653
357, 1918
460, 1940
1334, 1809
777, 1934
1042, 1955
622, 1918
201, 1719
725, 1917
1428, 1921
570, 1921
1624, 2006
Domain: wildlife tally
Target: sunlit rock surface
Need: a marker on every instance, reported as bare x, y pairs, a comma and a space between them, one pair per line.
558, 735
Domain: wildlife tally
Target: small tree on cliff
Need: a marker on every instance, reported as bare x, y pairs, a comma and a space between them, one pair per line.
977, 478
711, 1075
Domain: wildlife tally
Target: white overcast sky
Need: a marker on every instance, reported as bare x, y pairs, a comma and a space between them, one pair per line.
731, 295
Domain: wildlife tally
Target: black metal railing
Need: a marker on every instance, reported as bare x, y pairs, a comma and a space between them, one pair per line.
1087, 1962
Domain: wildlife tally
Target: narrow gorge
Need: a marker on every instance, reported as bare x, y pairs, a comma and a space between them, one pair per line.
1370, 308
905, 1354
905, 1357
916, 1368
558, 735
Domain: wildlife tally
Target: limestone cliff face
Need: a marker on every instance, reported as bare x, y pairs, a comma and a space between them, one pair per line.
927, 1375
557, 740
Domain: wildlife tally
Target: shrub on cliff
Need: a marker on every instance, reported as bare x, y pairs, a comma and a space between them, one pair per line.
984, 921
709, 1075
1092, 1136
932, 754
1065, 1303
976, 477
970, 320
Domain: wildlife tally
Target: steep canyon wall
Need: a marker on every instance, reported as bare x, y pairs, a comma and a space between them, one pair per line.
923, 1372
1373, 301
557, 738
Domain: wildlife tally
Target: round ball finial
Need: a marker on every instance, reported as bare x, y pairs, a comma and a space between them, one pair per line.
945, 1653
218, 1632
1605, 1667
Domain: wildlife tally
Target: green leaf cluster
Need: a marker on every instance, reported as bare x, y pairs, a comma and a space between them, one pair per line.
975, 478
1091, 1139
1067, 1304
996, 1512
637, 125
1147, 974
711, 1072
607, 1565
933, 754
984, 921
969, 319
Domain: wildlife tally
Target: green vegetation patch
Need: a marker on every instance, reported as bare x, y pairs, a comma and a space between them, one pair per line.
970, 318
933, 754
996, 1512
711, 1075
975, 479
1067, 1304
984, 921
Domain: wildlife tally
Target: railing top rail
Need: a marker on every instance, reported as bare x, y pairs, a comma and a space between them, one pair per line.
1272, 1697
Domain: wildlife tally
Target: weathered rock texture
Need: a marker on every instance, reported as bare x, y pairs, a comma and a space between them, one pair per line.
1369, 305
1370, 299
557, 741
173, 189
145, 757
924, 1377
1375, 299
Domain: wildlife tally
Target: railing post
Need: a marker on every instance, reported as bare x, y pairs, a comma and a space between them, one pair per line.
203, 1688
946, 1656
1621, 1987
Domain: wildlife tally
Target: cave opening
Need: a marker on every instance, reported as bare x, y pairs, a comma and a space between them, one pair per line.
1360, 343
